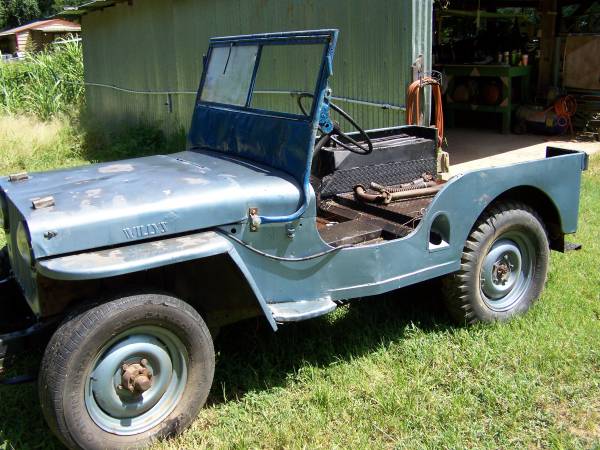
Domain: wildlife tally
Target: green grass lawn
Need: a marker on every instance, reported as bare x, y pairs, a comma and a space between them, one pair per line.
392, 371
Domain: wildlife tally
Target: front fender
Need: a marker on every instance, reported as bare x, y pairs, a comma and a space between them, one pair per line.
112, 262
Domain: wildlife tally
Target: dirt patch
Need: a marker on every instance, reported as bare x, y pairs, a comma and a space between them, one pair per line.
581, 421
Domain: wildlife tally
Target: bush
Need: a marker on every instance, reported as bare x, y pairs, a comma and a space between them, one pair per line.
44, 84
127, 141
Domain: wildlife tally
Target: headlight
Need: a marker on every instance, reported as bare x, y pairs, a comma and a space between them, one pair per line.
23, 243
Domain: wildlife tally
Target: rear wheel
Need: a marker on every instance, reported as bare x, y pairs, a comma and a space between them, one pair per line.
126, 372
503, 266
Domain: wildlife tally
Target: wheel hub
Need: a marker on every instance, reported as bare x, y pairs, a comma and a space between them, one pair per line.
501, 270
136, 378
505, 271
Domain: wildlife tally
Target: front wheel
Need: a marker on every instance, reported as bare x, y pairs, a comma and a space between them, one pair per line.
503, 266
127, 372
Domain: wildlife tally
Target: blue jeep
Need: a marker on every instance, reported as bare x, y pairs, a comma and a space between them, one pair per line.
272, 211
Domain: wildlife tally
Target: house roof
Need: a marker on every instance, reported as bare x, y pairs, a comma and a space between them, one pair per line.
47, 26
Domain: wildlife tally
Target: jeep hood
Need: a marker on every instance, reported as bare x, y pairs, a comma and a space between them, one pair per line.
108, 204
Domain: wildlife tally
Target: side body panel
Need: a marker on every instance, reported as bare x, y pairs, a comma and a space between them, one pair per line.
372, 269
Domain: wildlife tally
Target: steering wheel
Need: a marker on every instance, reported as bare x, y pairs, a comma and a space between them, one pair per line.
336, 134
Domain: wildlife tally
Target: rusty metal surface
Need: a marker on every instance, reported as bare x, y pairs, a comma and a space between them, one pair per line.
350, 232
340, 212
136, 377
407, 211
143, 256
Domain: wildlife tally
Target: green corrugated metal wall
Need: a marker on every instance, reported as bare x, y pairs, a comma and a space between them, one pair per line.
157, 45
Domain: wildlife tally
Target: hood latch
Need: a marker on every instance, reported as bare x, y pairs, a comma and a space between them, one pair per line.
44, 202
15, 177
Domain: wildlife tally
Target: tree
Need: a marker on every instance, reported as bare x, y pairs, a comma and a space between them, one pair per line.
2, 14
18, 12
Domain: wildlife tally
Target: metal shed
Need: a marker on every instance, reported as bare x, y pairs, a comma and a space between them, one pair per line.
143, 58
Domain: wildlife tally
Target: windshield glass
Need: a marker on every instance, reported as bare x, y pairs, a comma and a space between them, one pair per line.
229, 74
283, 70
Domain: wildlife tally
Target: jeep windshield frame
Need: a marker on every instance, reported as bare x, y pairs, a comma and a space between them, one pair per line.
249, 50
280, 140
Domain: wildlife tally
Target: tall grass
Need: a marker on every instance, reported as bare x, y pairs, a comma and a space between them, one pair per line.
27, 143
44, 84
32, 145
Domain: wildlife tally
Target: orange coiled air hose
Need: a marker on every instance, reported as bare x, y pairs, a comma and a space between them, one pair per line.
413, 104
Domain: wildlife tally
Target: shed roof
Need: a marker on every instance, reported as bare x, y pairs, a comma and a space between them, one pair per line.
75, 12
47, 26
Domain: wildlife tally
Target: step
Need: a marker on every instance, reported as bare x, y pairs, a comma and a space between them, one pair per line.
300, 310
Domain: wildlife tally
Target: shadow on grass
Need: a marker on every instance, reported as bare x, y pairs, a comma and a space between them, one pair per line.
253, 358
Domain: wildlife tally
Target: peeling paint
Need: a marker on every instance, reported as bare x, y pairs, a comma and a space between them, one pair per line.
110, 262
119, 201
230, 178
93, 193
116, 168
484, 199
188, 241
196, 181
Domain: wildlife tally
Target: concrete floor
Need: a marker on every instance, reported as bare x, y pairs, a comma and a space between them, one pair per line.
471, 148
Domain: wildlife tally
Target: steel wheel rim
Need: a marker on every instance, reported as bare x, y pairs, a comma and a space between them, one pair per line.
116, 410
507, 271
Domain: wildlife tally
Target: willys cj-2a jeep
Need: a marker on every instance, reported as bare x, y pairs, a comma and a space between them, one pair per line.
273, 210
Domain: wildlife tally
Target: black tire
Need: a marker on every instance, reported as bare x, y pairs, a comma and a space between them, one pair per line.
475, 293
77, 348
4, 265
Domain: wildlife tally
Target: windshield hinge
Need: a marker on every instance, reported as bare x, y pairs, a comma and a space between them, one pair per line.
325, 122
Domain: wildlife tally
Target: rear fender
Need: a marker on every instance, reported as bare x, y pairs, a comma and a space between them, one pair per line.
550, 185
100, 264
